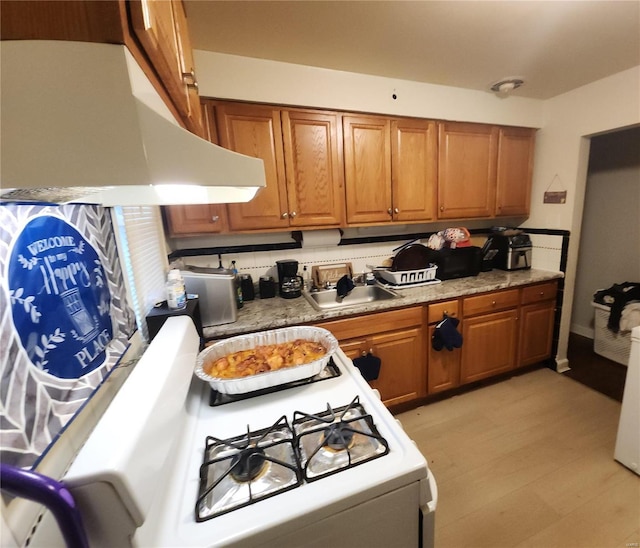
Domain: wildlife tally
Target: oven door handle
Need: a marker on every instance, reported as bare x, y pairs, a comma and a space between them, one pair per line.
428, 494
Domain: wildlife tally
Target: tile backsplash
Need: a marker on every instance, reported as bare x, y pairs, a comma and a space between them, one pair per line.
546, 254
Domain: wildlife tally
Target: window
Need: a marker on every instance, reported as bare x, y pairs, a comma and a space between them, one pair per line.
143, 257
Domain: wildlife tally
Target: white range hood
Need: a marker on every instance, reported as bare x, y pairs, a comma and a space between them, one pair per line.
81, 123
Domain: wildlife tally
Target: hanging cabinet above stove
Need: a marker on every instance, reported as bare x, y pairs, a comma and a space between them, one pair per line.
155, 33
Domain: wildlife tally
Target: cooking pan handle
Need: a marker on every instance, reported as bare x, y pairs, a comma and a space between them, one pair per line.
52, 494
405, 245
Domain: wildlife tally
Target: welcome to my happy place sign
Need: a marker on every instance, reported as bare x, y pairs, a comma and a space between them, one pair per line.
65, 315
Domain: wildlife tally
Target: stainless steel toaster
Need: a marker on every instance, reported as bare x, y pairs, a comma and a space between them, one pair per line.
216, 290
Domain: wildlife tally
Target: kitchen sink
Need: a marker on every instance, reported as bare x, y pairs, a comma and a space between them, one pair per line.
327, 299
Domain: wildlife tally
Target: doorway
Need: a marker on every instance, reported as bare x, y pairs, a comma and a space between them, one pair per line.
608, 252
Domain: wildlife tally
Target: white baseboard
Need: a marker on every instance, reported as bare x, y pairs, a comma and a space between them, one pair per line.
582, 330
562, 365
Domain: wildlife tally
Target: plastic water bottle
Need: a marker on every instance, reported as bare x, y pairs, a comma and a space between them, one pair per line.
239, 299
176, 293
306, 278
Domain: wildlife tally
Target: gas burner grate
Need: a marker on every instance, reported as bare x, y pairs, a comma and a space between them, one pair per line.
242, 470
330, 371
336, 439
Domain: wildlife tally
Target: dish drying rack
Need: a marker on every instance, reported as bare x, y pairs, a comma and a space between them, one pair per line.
422, 276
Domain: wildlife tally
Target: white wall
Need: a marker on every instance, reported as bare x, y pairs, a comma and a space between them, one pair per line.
562, 146
562, 157
234, 77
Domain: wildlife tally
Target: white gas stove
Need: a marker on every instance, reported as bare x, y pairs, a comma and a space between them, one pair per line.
320, 463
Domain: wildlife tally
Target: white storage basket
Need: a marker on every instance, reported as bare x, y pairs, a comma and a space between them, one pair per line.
606, 343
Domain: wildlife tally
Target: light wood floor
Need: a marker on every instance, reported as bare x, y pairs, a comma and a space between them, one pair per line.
528, 462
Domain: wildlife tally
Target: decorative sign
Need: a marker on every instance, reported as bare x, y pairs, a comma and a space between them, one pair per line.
60, 301
64, 320
555, 197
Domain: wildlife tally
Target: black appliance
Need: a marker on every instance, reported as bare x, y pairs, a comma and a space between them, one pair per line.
267, 287
246, 284
513, 250
457, 263
159, 314
289, 283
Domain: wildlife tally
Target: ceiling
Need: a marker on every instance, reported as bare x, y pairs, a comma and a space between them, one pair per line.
553, 45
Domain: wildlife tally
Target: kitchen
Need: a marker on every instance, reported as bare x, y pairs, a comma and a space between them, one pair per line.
560, 147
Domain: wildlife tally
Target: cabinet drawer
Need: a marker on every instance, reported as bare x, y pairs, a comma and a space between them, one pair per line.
490, 302
541, 292
438, 310
361, 326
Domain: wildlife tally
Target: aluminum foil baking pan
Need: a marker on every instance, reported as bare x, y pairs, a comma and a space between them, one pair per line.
269, 379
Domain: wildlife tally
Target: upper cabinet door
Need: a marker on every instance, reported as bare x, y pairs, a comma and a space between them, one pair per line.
367, 168
515, 170
312, 151
187, 220
414, 169
466, 170
193, 110
255, 131
161, 29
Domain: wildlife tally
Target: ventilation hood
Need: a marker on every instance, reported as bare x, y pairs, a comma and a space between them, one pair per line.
81, 123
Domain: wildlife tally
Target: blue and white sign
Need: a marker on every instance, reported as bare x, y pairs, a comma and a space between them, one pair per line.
66, 321
60, 300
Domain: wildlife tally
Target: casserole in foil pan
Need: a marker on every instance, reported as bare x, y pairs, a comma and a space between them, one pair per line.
260, 381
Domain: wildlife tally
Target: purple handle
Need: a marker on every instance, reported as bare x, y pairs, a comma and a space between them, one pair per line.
52, 494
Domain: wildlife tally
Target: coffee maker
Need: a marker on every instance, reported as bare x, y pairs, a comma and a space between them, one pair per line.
289, 283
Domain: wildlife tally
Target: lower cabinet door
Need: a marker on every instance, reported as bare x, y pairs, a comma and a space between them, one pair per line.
536, 332
443, 367
402, 373
489, 345
354, 348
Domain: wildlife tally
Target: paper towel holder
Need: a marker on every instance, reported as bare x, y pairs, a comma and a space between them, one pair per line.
296, 235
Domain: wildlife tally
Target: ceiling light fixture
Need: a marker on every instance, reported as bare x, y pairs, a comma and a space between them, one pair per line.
507, 85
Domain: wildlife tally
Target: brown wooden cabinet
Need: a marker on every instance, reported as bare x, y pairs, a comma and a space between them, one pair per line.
397, 338
390, 169
155, 32
484, 171
188, 220
490, 334
466, 170
443, 365
255, 130
501, 331
414, 160
537, 315
192, 220
301, 151
514, 172
367, 169
313, 164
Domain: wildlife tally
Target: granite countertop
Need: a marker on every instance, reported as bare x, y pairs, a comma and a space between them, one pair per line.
261, 314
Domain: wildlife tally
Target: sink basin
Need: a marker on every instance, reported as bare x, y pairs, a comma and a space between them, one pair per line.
327, 299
